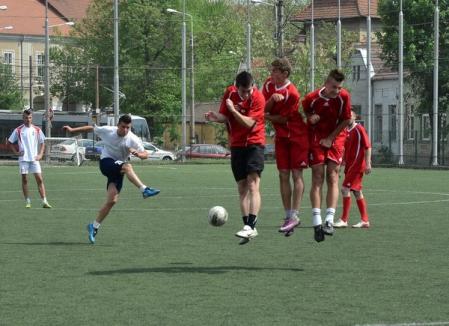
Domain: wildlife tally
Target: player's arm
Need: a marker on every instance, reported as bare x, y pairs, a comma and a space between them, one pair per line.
215, 117
327, 142
368, 160
277, 118
78, 129
311, 117
41, 152
245, 121
10, 143
142, 154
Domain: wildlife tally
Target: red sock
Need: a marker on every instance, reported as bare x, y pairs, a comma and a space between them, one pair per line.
361, 203
346, 208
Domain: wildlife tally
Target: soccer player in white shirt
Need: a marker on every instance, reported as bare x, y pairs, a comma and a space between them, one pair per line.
30, 140
119, 142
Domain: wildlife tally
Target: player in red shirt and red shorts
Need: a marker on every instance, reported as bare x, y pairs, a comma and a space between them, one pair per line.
242, 109
291, 140
357, 162
328, 112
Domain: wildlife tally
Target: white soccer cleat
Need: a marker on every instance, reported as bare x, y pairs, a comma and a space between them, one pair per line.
340, 224
361, 225
247, 232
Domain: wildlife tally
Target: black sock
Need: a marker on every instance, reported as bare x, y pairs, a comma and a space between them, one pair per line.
245, 220
252, 220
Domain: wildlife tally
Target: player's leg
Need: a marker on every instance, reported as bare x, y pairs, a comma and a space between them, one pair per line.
35, 168
296, 198
283, 166
332, 172
23, 170
244, 201
128, 170
361, 204
346, 198
315, 198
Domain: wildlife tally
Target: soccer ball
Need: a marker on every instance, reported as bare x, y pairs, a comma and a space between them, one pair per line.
217, 216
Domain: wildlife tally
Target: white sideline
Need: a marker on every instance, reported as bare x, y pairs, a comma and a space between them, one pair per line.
437, 323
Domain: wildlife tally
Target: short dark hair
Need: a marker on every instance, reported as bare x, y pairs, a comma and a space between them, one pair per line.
244, 79
126, 118
283, 65
27, 112
337, 75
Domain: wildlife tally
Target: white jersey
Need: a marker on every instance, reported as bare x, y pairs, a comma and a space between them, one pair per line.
29, 139
117, 147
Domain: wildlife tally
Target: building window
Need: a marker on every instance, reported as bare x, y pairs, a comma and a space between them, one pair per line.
40, 64
8, 59
393, 122
355, 73
378, 123
425, 127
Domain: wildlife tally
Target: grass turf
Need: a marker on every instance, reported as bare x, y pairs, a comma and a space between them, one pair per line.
158, 262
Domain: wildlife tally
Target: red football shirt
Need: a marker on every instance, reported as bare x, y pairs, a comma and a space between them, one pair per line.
253, 107
288, 108
332, 111
357, 141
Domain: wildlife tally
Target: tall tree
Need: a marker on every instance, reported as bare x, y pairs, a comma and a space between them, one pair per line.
10, 95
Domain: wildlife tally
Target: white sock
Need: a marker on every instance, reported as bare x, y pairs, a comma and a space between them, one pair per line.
316, 216
28, 200
142, 188
330, 213
288, 214
44, 200
96, 225
295, 213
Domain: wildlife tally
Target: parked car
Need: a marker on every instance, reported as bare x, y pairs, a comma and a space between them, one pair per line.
93, 152
66, 150
205, 151
155, 153
269, 152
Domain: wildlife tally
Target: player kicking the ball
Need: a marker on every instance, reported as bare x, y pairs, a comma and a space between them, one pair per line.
242, 109
119, 142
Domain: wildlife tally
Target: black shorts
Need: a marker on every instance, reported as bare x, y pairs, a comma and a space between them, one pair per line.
246, 160
112, 170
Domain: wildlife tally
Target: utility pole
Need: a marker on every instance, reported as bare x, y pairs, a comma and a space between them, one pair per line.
46, 76
116, 71
401, 85
435, 83
248, 36
280, 27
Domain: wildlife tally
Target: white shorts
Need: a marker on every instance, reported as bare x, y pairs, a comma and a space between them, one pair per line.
29, 167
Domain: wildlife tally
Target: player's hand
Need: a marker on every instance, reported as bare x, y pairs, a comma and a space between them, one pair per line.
211, 116
368, 168
133, 151
38, 157
313, 119
326, 142
20, 153
67, 128
277, 97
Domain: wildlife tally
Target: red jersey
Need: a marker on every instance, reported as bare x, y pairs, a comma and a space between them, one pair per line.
332, 111
357, 141
288, 108
253, 107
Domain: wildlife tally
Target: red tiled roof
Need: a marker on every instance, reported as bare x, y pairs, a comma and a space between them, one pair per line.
28, 16
328, 9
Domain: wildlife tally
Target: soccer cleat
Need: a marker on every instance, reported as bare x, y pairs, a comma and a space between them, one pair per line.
247, 232
28, 205
289, 233
328, 228
46, 205
361, 225
318, 233
243, 241
341, 224
150, 192
92, 232
289, 224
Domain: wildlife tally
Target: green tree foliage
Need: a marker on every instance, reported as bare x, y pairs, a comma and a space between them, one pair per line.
10, 95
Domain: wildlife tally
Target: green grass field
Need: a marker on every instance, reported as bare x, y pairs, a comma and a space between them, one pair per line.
158, 262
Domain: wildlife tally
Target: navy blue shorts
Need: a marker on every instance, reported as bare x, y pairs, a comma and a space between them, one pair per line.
112, 170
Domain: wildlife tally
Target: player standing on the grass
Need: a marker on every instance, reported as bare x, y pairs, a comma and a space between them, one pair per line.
291, 139
119, 143
242, 109
31, 150
328, 111
357, 160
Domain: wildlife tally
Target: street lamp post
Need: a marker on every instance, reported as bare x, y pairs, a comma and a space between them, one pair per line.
192, 82
279, 18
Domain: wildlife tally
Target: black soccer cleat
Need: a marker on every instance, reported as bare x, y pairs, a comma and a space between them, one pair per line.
328, 228
318, 233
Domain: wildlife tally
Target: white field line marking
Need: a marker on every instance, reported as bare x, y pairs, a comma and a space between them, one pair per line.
437, 323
